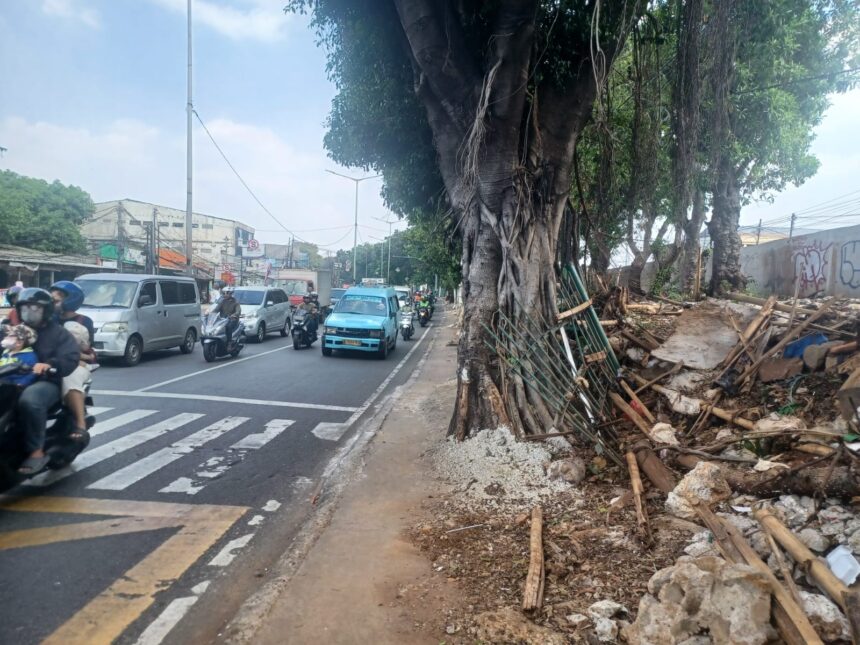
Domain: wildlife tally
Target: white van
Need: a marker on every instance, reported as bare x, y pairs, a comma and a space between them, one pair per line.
264, 310
134, 313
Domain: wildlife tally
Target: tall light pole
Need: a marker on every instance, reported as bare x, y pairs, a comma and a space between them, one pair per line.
357, 181
388, 271
188, 109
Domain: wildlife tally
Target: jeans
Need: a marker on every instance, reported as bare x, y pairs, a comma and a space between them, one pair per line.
232, 324
33, 408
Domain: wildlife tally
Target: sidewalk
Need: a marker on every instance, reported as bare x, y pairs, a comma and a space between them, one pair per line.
363, 582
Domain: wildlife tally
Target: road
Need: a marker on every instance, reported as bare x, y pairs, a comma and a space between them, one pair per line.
197, 477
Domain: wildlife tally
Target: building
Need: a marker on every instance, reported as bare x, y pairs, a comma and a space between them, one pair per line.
132, 234
34, 268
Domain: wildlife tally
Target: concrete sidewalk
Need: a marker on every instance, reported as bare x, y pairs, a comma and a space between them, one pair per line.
362, 581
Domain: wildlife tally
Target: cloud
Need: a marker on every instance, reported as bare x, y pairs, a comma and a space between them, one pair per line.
262, 20
133, 159
71, 10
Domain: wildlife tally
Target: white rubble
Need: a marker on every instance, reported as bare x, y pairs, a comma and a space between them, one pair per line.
826, 617
705, 482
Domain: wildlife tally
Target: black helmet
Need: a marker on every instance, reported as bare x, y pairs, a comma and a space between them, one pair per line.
34, 296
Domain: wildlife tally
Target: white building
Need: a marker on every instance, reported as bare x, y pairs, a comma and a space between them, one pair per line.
125, 225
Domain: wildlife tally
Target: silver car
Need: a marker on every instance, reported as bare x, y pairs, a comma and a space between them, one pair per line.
264, 310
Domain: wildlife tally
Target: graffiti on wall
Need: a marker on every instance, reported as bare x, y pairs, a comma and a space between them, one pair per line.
849, 267
810, 265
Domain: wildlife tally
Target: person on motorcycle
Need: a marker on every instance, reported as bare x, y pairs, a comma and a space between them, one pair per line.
56, 349
12, 294
309, 307
68, 297
230, 309
17, 346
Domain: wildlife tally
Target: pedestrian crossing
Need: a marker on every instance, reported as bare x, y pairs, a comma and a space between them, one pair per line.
138, 427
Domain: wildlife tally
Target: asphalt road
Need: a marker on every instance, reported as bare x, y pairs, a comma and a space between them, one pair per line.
196, 479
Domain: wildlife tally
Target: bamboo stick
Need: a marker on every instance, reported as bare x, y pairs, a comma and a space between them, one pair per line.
816, 569
791, 620
638, 496
575, 310
677, 367
790, 336
533, 594
635, 399
741, 297
852, 612
654, 468
783, 568
622, 405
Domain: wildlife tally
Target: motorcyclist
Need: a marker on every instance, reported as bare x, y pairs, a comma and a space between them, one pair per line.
56, 349
68, 297
310, 308
229, 308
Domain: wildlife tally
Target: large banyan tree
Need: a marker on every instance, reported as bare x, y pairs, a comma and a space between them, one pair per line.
472, 108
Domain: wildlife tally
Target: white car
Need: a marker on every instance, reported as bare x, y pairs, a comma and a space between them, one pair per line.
264, 310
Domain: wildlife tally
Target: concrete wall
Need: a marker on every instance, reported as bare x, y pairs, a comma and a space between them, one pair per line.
825, 262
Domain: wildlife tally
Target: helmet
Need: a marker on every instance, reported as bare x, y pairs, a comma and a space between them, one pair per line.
12, 294
228, 290
34, 296
306, 298
74, 295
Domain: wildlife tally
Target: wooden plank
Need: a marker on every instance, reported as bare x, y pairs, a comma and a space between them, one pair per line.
575, 310
595, 357
790, 336
533, 594
654, 468
647, 345
742, 297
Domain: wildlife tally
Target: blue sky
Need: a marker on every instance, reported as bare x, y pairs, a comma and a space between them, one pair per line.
92, 92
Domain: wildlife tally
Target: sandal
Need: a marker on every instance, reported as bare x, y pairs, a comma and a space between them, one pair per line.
78, 435
33, 465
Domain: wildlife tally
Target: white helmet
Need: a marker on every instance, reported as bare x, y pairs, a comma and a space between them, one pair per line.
228, 289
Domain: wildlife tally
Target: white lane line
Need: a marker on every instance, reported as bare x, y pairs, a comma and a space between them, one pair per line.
118, 421
227, 554
225, 399
258, 440
95, 410
334, 431
272, 505
159, 628
218, 465
210, 369
111, 449
257, 519
133, 473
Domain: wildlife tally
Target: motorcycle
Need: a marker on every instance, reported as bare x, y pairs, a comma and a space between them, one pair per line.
301, 334
423, 316
59, 446
406, 326
214, 338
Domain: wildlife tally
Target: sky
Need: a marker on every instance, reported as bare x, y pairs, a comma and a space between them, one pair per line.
92, 92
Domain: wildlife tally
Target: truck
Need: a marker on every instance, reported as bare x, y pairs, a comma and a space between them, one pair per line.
300, 282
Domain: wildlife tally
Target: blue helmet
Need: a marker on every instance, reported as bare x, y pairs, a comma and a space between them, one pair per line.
74, 295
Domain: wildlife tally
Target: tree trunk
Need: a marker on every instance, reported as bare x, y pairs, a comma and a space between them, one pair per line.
723, 227
692, 244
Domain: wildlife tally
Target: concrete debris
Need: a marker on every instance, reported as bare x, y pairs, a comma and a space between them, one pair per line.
682, 404
508, 625
826, 617
763, 465
702, 545
704, 596
572, 470
795, 510
606, 609
705, 483
814, 539
577, 620
663, 433
687, 381
606, 630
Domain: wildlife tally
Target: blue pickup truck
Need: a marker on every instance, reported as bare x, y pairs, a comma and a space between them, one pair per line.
365, 319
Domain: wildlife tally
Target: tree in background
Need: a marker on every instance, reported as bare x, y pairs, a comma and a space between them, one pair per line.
43, 216
475, 107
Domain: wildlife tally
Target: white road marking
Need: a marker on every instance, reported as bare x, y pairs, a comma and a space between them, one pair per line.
217, 466
225, 399
133, 473
95, 410
159, 628
111, 449
256, 520
227, 555
118, 421
334, 431
235, 361
272, 505
260, 439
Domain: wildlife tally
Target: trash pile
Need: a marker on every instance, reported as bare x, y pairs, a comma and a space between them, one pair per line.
743, 415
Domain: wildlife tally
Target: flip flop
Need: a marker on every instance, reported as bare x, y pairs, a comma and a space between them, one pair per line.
33, 465
78, 435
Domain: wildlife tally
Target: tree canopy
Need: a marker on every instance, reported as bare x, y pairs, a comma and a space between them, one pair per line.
42, 215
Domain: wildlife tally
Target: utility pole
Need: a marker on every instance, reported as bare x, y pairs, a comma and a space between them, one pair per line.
156, 260
791, 230
357, 181
189, 251
120, 250
758, 233
388, 270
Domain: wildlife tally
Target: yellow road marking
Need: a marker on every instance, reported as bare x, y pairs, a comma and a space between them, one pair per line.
107, 615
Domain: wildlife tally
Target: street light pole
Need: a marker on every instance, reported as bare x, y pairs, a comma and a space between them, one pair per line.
188, 109
357, 181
